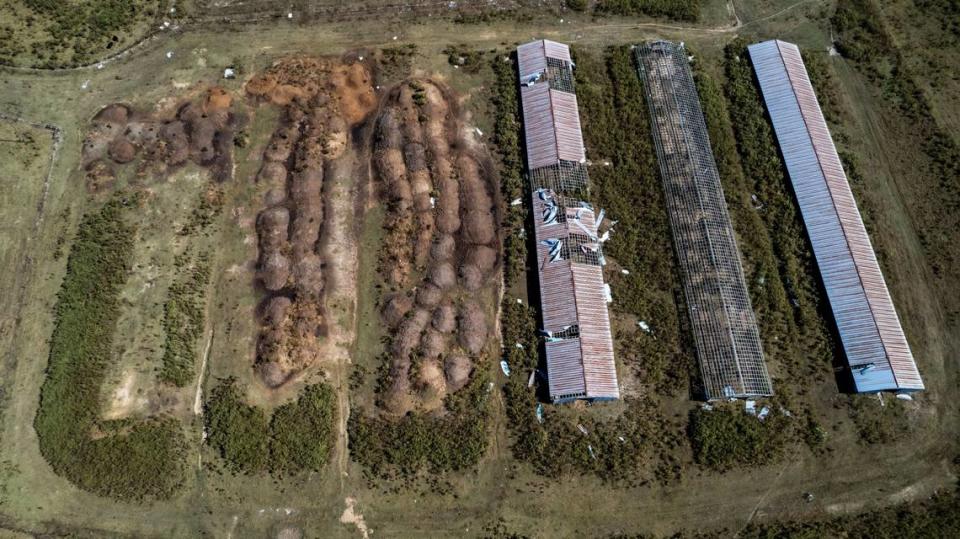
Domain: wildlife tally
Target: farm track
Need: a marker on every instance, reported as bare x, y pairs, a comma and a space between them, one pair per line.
335, 14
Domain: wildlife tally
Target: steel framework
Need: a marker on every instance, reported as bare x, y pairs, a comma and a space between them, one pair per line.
725, 332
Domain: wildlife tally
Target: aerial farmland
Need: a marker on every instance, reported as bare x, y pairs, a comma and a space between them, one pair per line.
479, 269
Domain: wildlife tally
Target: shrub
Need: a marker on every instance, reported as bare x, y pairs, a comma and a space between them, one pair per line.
237, 430
302, 432
680, 10
183, 319
142, 459
727, 437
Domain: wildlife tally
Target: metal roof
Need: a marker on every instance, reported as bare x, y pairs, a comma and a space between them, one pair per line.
532, 57
726, 337
551, 126
573, 303
872, 337
572, 294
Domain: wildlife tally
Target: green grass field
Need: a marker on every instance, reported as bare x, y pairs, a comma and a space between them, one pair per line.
674, 485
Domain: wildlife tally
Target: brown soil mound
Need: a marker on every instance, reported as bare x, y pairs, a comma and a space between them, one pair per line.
272, 374
99, 176
433, 344
415, 157
174, 137
445, 318
478, 227
143, 133
482, 257
443, 248
275, 271
407, 336
272, 227
471, 277
308, 276
472, 323
275, 312
116, 113
274, 175
281, 144
457, 369
122, 151
217, 100
396, 308
432, 379
355, 91
429, 295
443, 275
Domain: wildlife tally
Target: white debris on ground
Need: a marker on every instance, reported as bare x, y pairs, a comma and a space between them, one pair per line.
644, 326
750, 406
169, 54
764, 412
516, 202
479, 133
229, 73
625, 271
583, 429
290, 15
904, 397
85, 84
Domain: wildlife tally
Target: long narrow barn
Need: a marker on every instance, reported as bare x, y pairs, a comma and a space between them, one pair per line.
579, 346
873, 340
726, 337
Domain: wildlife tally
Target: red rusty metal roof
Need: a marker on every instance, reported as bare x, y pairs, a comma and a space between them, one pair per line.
551, 126
571, 294
532, 57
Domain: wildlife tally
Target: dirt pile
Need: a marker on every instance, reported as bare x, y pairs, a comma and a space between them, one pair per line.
441, 247
322, 100
201, 131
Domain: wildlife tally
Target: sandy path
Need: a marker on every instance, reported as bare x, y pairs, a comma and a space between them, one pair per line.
339, 251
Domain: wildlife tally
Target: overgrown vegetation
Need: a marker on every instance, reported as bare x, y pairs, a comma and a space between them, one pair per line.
183, 320
727, 437
302, 432
616, 128
784, 285
60, 34
680, 10
299, 436
451, 441
127, 459
505, 106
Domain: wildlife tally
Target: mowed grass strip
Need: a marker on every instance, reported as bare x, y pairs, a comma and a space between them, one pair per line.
125, 459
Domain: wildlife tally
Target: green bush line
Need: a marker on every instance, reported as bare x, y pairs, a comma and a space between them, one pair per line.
183, 320
142, 459
506, 135
616, 127
678, 10
761, 162
299, 437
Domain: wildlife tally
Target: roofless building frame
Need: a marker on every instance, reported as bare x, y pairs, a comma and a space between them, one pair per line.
725, 333
873, 340
579, 347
